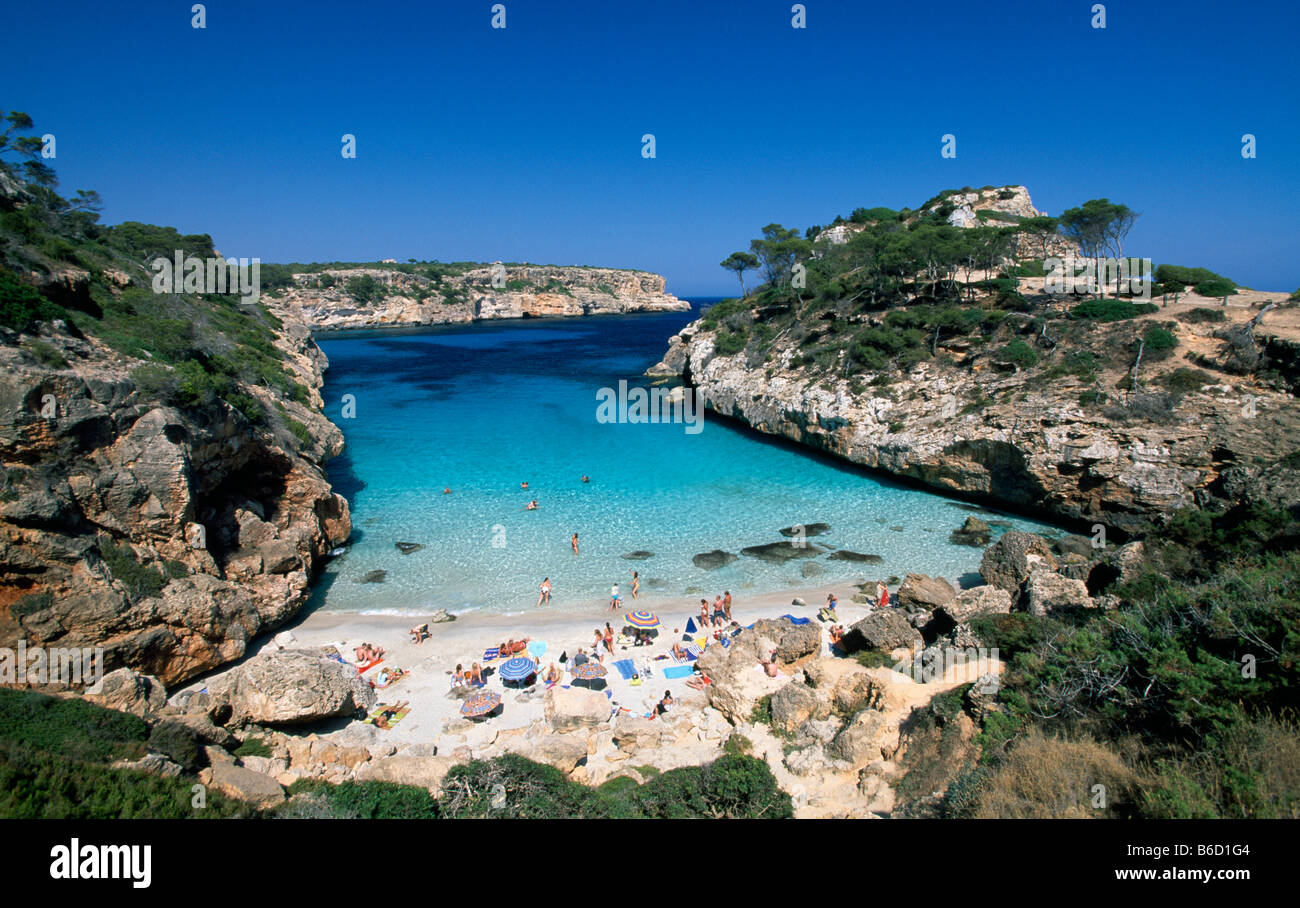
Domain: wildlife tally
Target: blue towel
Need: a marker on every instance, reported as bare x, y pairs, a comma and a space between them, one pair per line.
794, 620
537, 649
490, 654
625, 668
678, 671
690, 626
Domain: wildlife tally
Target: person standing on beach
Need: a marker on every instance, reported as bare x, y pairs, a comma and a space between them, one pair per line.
545, 594
882, 593
636, 584
573, 541
726, 603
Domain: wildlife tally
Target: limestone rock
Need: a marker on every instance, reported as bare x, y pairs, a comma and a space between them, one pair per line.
246, 785
794, 705
424, 772
922, 591
577, 707
1008, 561
884, 630
976, 601
290, 687
129, 692
1047, 593
793, 641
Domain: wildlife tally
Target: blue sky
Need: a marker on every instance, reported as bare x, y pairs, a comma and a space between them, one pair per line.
524, 144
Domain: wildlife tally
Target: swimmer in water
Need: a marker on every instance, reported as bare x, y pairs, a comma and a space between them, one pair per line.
585, 479
531, 506
523, 485
574, 542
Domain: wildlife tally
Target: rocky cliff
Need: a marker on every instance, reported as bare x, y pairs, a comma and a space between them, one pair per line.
1041, 438
335, 298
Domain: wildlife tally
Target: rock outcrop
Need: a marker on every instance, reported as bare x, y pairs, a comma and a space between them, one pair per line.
418, 295
170, 537
290, 687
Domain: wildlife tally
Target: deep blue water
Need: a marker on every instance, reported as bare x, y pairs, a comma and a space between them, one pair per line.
482, 408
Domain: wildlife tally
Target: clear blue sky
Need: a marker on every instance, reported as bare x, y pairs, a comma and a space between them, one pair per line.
524, 144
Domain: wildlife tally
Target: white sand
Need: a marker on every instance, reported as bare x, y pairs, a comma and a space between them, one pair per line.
463, 641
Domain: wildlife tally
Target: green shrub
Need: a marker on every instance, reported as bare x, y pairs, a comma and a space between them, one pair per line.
48, 354
252, 747
1184, 381
1203, 315
1018, 353
729, 343
1108, 310
21, 306
70, 728
141, 582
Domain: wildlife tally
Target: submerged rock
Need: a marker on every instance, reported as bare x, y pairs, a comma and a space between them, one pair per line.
407, 548
856, 557
780, 551
973, 532
711, 561
639, 555
377, 576
808, 529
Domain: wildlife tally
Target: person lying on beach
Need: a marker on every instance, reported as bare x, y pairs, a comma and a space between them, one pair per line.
367, 653
387, 715
699, 681
512, 646
837, 634
419, 633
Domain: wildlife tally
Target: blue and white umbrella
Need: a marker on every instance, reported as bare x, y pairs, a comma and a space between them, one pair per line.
517, 669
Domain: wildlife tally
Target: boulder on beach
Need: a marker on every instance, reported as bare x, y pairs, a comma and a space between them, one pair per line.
807, 529
794, 705
1008, 561
129, 691
407, 548
923, 591
711, 561
884, 630
577, 707
971, 603
289, 687
793, 641
1048, 593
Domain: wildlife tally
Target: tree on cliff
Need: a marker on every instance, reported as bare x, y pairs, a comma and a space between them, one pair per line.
778, 250
1099, 226
26, 148
740, 262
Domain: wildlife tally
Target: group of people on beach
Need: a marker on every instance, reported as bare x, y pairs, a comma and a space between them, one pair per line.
720, 614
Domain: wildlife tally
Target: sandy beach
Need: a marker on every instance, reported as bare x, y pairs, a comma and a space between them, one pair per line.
434, 716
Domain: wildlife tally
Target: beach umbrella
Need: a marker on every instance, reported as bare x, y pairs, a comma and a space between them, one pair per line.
480, 703
643, 619
517, 669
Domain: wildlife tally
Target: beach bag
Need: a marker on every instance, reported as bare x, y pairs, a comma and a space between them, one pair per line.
564, 657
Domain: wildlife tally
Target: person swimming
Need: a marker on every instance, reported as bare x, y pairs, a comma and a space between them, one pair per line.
531, 506
446, 490
585, 479
523, 485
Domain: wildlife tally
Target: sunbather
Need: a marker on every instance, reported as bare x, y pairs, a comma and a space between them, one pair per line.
458, 677
385, 716
665, 704
699, 680
367, 653
769, 665
475, 675
679, 652
553, 675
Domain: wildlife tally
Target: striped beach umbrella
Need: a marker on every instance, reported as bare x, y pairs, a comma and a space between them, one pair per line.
643, 619
480, 703
517, 669
589, 671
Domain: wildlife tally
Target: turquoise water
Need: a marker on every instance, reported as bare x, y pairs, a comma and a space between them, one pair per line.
482, 408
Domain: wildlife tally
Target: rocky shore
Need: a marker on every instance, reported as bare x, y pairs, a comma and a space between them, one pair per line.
965, 423
407, 298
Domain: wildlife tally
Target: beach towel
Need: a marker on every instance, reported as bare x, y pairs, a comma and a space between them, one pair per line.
693, 651
537, 649
690, 626
794, 620
401, 714
678, 671
701, 642
398, 674
368, 666
490, 654
624, 667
